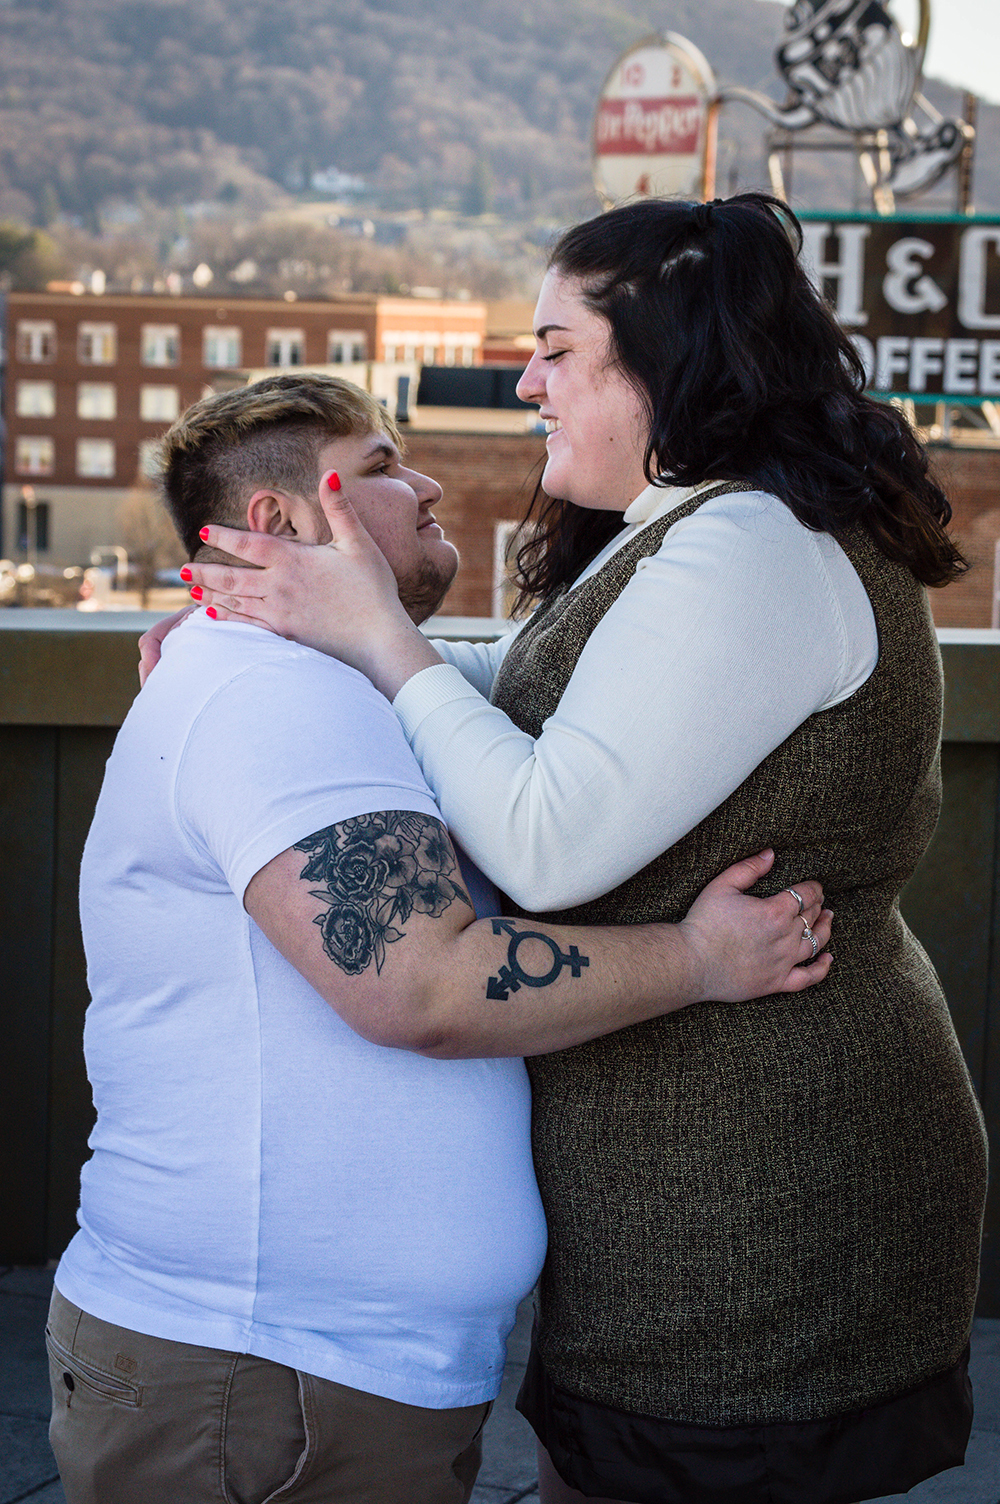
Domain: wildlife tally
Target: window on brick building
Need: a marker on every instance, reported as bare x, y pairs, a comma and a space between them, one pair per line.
459, 351
409, 345
36, 340
96, 399
285, 347
222, 348
158, 404
345, 346
34, 455
508, 537
161, 344
97, 344
95, 457
32, 526
149, 458
35, 399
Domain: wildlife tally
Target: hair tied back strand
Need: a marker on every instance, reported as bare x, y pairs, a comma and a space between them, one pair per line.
702, 217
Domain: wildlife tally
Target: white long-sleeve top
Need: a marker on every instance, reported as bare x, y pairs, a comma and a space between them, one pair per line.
740, 627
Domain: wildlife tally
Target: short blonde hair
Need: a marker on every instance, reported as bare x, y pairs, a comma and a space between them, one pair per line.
228, 445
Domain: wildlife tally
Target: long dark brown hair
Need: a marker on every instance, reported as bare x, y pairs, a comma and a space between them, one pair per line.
746, 376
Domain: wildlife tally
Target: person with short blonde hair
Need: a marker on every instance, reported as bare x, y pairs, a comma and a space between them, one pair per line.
267, 433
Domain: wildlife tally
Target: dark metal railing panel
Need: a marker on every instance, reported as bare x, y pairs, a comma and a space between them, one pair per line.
28, 822
83, 753
952, 905
971, 660
61, 668
66, 683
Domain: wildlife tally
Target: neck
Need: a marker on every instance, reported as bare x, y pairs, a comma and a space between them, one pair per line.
206, 555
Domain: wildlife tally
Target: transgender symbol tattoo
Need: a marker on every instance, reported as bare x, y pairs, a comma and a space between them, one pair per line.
513, 976
378, 870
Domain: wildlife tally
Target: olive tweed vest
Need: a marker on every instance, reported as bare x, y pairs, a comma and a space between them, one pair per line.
771, 1210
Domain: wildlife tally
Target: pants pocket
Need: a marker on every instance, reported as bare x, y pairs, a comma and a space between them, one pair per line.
69, 1371
265, 1433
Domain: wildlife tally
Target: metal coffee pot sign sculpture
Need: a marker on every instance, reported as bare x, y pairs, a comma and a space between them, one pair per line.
847, 67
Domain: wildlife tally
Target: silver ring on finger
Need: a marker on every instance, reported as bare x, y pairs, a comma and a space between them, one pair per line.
797, 897
807, 934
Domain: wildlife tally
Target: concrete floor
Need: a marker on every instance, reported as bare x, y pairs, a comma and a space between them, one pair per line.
28, 1472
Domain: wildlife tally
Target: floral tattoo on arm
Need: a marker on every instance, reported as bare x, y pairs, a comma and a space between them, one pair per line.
376, 871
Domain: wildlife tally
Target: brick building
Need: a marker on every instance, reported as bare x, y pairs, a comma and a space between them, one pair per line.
92, 381
971, 479
488, 480
509, 340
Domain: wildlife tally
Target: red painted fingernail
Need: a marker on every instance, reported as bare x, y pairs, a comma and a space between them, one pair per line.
185, 574
196, 591
203, 534
333, 481
211, 611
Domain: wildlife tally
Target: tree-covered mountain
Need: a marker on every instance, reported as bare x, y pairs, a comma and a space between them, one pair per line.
108, 103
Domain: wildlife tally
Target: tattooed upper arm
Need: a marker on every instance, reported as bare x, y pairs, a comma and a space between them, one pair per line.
372, 873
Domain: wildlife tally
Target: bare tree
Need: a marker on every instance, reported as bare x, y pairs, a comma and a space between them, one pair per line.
148, 536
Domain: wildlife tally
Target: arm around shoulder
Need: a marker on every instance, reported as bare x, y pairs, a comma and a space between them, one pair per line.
689, 670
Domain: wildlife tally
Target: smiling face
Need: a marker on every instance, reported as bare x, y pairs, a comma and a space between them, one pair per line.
596, 420
394, 504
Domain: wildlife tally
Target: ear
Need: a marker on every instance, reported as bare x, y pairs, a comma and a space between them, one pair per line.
271, 512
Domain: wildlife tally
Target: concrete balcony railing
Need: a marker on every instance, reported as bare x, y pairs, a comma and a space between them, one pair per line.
65, 686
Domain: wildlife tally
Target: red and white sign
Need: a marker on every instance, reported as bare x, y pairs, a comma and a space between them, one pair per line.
636, 127
650, 125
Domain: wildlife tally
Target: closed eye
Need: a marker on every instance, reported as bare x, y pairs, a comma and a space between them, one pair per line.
554, 354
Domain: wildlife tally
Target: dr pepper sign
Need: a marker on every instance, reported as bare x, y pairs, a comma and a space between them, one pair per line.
650, 129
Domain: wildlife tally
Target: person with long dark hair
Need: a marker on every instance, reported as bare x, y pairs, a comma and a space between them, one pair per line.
764, 1222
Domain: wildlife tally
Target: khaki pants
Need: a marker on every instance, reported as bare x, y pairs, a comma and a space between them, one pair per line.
137, 1420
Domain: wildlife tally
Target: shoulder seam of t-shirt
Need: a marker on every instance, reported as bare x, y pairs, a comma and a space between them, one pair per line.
379, 797
200, 852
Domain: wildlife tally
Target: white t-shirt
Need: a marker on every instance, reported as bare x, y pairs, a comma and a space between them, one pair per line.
742, 625
263, 1179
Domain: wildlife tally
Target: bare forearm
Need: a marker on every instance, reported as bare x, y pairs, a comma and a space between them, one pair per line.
379, 924
513, 987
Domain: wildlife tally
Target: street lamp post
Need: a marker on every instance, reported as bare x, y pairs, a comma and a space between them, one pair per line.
30, 503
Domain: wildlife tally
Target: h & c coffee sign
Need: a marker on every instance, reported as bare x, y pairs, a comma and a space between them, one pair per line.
920, 297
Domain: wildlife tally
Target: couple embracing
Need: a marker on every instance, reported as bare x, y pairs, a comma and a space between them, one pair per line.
312, 1204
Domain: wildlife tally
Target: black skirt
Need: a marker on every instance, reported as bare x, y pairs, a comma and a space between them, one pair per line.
866, 1454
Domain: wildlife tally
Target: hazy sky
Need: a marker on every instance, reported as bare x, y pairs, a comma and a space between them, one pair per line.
964, 45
